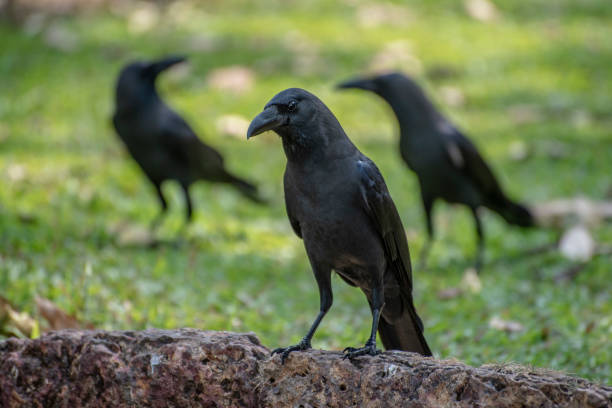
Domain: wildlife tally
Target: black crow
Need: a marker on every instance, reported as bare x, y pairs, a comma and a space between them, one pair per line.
338, 203
446, 162
160, 140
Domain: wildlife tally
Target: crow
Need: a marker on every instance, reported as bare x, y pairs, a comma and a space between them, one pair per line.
160, 140
338, 203
447, 163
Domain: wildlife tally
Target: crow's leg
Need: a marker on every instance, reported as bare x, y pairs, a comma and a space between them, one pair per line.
378, 299
480, 245
428, 206
162, 203
188, 203
323, 276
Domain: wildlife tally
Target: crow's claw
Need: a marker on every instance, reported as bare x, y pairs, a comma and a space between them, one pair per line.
369, 349
284, 351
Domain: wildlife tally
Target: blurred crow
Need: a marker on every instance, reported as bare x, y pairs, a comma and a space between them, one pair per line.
160, 140
447, 164
338, 203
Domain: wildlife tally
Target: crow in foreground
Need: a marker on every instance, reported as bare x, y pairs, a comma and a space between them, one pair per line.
338, 203
446, 162
159, 139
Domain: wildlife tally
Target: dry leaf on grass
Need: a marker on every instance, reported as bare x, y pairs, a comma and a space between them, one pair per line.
143, 17
470, 281
505, 325
481, 10
56, 318
559, 212
14, 323
61, 38
237, 79
16, 172
378, 14
577, 244
452, 96
135, 235
232, 125
396, 55
518, 150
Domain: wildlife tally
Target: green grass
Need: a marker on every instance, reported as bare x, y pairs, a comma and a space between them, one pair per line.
239, 267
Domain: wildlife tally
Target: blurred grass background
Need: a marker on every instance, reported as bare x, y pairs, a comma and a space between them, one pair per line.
532, 77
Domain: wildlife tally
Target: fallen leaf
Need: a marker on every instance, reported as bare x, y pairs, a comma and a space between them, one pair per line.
143, 17
559, 212
16, 172
56, 318
135, 235
61, 38
232, 125
396, 55
378, 14
470, 281
237, 79
518, 150
14, 323
481, 10
505, 325
449, 293
452, 96
577, 244
203, 43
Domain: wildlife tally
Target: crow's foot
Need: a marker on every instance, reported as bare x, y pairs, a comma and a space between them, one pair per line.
369, 349
284, 351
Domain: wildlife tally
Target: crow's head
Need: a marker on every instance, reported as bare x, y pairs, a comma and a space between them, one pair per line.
384, 85
305, 125
137, 79
291, 112
403, 94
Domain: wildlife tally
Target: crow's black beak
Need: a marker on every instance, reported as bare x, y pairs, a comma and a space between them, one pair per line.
269, 119
359, 83
158, 66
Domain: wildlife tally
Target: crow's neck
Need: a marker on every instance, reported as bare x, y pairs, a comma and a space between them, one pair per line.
416, 117
134, 103
315, 149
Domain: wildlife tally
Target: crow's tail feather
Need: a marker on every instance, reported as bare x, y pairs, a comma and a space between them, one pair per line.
249, 190
405, 333
514, 213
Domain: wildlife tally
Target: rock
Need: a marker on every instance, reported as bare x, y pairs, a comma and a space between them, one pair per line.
195, 368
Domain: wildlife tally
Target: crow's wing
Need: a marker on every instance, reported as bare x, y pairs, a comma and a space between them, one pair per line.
381, 209
465, 157
290, 205
181, 142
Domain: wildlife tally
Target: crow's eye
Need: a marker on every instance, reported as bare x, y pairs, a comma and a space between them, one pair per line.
291, 106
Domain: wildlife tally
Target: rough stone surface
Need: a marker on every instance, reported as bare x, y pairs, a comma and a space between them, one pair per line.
192, 368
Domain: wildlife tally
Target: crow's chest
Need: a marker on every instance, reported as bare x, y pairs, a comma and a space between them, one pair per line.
333, 224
